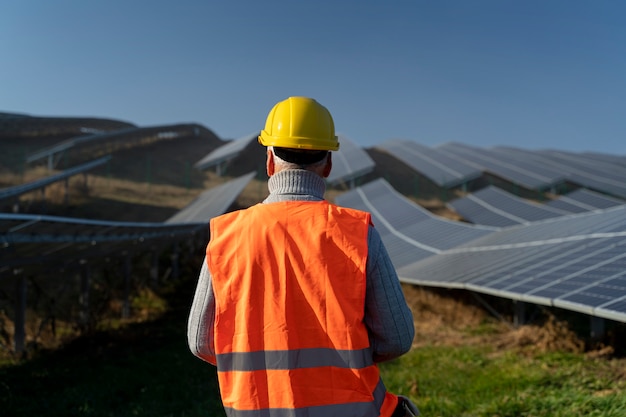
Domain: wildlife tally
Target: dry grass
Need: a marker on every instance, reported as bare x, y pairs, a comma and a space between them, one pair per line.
445, 321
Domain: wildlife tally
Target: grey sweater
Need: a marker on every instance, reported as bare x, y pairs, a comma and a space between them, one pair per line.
387, 317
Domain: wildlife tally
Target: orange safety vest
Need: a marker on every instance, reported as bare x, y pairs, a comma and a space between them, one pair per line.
289, 285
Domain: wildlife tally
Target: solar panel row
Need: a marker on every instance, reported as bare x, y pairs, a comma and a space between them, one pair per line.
443, 169
409, 231
511, 167
225, 152
584, 200
349, 162
31, 239
452, 164
495, 207
35, 185
577, 262
212, 202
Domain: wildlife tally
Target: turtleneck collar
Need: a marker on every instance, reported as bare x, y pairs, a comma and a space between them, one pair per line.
295, 184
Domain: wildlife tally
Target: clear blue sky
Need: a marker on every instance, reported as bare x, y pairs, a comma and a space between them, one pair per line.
529, 73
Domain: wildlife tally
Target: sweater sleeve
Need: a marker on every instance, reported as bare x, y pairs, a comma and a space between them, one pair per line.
201, 318
387, 316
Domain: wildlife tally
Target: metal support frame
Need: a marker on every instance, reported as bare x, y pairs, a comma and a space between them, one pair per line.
489, 308
519, 319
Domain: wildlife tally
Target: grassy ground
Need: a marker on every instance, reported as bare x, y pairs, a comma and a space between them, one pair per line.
478, 381
457, 367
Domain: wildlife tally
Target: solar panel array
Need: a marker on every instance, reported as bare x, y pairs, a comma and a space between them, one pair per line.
212, 202
582, 200
70, 143
515, 168
541, 170
493, 206
409, 231
41, 183
349, 162
29, 239
119, 136
36, 239
443, 169
574, 262
607, 177
228, 151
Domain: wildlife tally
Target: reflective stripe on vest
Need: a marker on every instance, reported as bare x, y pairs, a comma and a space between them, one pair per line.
289, 284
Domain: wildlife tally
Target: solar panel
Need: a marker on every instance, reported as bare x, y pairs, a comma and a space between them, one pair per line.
618, 160
576, 262
212, 202
35, 185
349, 162
512, 168
584, 200
409, 231
586, 172
225, 152
124, 136
70, 143
439, 167
524, 160
474, 210
28, 239
495, 207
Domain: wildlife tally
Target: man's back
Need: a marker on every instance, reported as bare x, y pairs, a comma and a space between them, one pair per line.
291, 280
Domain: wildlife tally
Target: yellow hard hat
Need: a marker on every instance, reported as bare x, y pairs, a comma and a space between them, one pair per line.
300, 123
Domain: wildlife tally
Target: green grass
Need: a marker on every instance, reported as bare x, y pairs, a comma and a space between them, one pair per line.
472, 381
146, 369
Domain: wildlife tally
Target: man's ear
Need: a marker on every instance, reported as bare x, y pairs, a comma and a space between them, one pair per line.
329, 165
269, 164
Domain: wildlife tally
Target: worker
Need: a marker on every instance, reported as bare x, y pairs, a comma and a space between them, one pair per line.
297, 299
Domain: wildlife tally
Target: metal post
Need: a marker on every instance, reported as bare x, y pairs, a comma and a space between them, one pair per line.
175, 257
127, 272
154, 269
85, 284
43, 200
19, 337
520, 313
597, 327
66, 197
